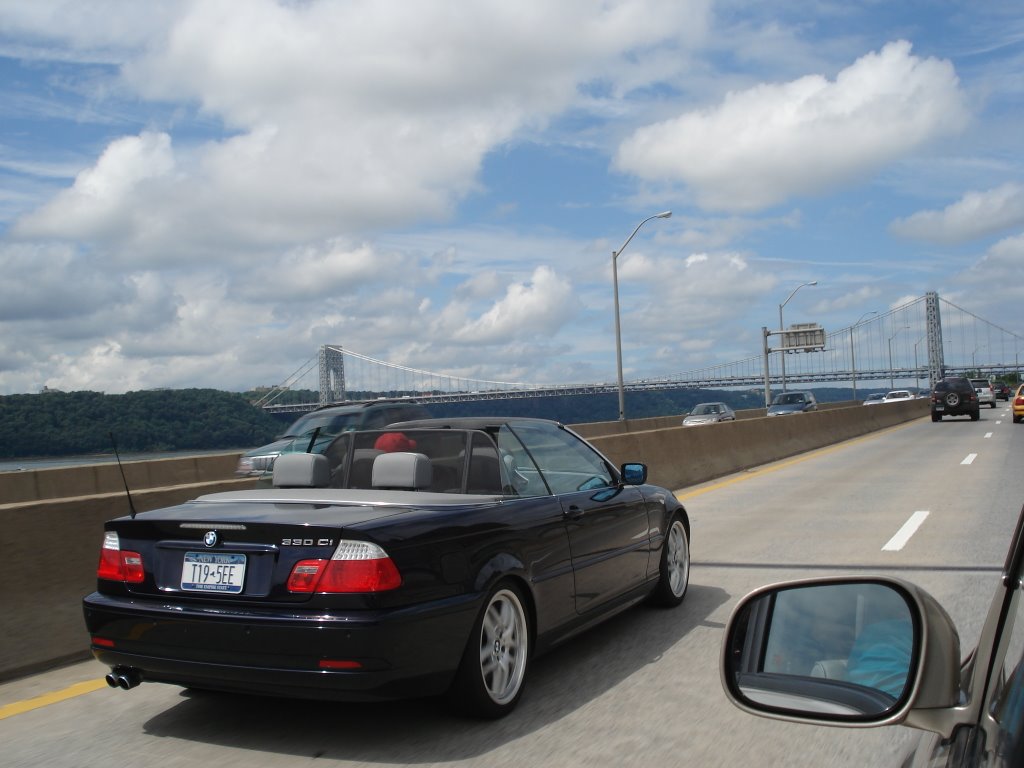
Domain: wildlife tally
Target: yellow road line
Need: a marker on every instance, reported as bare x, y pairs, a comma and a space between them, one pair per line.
684, 495
46, 699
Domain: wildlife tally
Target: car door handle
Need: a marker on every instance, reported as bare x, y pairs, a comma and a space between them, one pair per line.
574, 512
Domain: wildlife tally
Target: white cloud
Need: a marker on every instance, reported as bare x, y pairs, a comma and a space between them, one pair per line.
539, 307
341, 116
311, 273
851, 300
766, 144
975, 215
103, 198
689, 304
995, 280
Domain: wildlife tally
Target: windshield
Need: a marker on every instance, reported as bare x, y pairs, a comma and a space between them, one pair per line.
792, 398
705, 409
329, 424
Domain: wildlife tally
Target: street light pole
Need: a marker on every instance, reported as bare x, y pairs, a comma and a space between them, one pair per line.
917, 373
974, 364
892, 379
618, 329
853, 362
782, 352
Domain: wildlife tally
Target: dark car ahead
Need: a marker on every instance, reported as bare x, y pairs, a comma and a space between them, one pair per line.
863, 651
954, 396
435, 556
1001, 390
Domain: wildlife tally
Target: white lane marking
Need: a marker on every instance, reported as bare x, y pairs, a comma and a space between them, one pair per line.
970, 458
988, 435
903, 535
998, 422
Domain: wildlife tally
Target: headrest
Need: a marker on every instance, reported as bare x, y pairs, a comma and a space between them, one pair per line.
402, 470
302, 470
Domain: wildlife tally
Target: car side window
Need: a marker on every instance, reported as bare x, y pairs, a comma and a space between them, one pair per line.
567, 463
521, 473
376, 419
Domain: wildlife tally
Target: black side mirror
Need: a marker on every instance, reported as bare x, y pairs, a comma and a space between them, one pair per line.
634, 474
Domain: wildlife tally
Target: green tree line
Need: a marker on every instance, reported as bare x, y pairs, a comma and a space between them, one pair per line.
81, 423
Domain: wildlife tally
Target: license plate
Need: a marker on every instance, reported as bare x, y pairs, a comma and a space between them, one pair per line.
940, 408
213, 572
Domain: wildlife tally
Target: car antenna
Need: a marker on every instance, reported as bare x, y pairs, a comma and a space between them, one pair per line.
131, 506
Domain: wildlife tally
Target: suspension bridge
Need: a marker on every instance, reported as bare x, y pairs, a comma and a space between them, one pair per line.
908, 347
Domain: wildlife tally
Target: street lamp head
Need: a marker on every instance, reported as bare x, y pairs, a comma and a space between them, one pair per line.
813, 282
663, 215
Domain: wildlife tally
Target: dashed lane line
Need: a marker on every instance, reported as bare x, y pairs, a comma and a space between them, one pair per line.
897, 542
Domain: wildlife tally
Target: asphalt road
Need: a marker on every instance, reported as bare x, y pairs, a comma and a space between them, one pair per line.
642, 689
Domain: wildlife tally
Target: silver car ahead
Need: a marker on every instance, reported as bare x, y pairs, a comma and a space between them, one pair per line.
986, 395
709, 413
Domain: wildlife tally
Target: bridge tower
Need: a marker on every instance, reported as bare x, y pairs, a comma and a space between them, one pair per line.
936, 361
332, 375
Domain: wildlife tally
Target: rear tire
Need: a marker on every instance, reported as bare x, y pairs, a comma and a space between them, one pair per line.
674, 570
975, 415
936, 417
490, 678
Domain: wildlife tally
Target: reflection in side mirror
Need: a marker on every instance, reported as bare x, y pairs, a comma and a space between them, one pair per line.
634, 474
840, 651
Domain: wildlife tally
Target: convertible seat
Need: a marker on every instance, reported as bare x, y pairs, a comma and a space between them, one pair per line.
402, 471
302, 470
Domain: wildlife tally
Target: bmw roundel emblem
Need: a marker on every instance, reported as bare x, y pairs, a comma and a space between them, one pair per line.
210, 538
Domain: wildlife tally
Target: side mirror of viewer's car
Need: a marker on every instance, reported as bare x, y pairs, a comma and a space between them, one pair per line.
853, 652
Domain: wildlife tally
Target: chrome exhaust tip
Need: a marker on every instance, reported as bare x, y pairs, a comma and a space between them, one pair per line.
125, 678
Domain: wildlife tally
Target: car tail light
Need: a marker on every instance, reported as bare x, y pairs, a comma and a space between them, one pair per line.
118, 564
355, 566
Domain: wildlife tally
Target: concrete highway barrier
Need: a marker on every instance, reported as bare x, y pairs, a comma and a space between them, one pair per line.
679, 456
52, 519
51, 532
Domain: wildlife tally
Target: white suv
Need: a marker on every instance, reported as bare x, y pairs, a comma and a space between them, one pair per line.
986, 396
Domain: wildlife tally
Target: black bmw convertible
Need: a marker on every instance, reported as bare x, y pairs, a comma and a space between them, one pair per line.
431, 557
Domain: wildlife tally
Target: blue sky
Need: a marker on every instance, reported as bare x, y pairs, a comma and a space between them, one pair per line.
200, 194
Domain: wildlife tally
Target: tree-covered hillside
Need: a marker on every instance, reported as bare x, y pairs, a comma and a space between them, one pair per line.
80, 423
